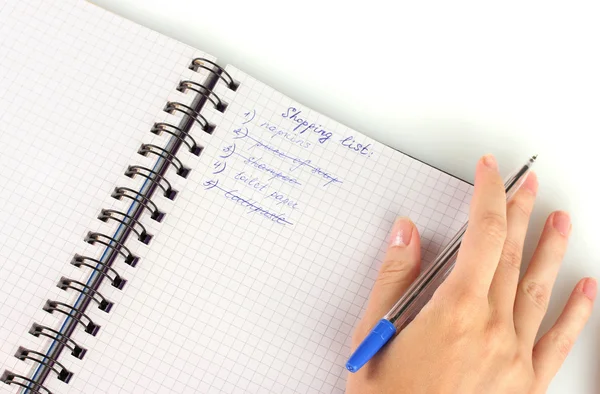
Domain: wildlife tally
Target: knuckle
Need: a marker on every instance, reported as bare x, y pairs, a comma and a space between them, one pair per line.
521, 206
500, 337
512, 253
562, 343
462, 317
468, 302
537, 293
458, 328
493, 224
394, 271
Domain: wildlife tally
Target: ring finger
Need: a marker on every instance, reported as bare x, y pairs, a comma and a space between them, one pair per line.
535, 288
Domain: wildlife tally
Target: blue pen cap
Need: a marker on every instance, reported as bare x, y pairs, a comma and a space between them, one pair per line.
379, 336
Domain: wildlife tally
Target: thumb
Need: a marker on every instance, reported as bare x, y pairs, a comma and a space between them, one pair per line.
399, 269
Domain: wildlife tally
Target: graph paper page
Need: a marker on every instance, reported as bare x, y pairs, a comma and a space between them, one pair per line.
264, 261
79, 91
267, 259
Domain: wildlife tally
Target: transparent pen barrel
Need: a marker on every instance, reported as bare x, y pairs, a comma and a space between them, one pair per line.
409, 308
423, 288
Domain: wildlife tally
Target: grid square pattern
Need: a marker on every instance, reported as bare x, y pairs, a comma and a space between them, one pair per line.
224, 300
79, 90
230, 301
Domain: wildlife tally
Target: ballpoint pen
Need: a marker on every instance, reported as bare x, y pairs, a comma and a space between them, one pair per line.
422, 289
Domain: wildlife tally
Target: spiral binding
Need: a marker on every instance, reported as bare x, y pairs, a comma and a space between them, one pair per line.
62, 373
132, 171
181, 135
174, 106
10, 378
90, 327
142, 200
142, 234
116, 280
145, 149
86, 291
117, 246
129, 222
38, 330
220, 72
200, 89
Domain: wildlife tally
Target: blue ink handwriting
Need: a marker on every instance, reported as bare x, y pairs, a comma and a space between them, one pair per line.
293, 138
244, 133
251, 182
249, 116
350, 143
240, 133
219, 167
283, 199
210, 184
304, 125
228, 151
275, 174
234, 196
315, 170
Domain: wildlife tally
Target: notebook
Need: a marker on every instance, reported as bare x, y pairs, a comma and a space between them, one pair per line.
173, 225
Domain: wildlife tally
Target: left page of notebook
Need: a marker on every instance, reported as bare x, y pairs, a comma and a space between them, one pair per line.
79, 91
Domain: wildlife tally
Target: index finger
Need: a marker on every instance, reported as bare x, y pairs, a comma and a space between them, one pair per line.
482, 243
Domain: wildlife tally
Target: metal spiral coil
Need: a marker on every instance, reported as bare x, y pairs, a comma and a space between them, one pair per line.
181, 135
36, 388
90, 327
63, 373
136, 196
130, 222
174, 106
200, 89
114, 244
151, 175
112, 214
38, 330
87, 291
115, 279
220, 72
182, 170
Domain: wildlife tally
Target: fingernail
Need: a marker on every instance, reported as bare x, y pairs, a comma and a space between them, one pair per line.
490, 161
562, 222
402, 232
590, 288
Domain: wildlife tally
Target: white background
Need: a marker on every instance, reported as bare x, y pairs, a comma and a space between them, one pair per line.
443, 81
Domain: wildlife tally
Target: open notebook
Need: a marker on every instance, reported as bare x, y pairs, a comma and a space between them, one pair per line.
171, 226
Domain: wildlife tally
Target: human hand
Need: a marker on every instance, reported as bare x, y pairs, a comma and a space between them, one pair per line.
478, 332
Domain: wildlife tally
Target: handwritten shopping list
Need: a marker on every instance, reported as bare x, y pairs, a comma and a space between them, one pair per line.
266, 166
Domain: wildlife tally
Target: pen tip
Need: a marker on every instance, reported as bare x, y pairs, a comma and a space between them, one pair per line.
534, 157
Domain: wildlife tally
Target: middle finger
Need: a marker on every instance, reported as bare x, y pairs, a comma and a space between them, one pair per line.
482, 243
506, 278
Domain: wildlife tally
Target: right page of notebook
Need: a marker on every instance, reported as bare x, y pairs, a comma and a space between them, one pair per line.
266, 262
